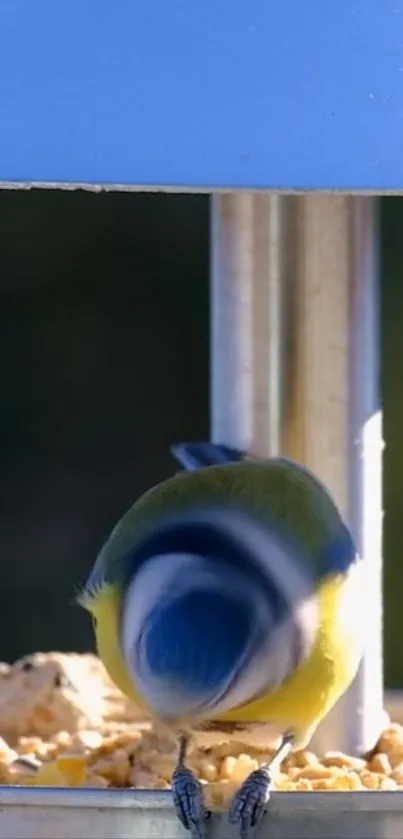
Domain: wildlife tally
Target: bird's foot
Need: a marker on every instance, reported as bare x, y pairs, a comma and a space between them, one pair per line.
189, 801
250, 802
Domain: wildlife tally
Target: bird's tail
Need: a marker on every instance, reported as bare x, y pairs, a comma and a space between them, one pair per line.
199, 455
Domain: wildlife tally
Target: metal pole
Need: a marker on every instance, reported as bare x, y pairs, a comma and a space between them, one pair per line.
366, 445
295, 370
250, 237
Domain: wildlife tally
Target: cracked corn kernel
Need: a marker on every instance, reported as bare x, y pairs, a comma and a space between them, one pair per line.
115, 768
87, 740
390, 739
303, 785
343, 760
317, 772
65, 771
62, 739
397, 773
146, 780
237, 769
161, 765
381, 764
244, 766
227, 767
395, 756
208, 770
370, 780
74, 769
300, 759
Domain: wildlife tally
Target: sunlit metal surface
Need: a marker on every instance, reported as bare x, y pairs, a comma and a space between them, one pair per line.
295, 371
122, 814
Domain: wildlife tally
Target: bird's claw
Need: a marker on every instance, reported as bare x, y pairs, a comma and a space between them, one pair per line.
189, 801
250, 802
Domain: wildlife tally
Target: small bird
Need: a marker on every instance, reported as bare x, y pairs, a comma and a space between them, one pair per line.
228, 594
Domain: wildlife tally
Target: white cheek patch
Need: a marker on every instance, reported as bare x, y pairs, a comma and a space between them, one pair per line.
159, 576
291, 578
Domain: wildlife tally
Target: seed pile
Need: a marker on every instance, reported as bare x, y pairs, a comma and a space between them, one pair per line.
62, 723
143, 759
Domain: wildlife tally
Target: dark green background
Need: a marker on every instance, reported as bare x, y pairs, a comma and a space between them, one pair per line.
104, 362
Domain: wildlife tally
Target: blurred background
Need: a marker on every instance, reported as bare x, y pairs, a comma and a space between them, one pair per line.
104, 343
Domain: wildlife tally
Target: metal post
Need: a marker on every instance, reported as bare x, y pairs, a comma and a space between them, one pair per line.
295, 370
250, 267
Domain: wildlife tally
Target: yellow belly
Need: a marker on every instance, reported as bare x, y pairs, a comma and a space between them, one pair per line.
105, 609
307, 696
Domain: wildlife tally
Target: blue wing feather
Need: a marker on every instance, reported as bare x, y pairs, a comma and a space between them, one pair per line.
194, 456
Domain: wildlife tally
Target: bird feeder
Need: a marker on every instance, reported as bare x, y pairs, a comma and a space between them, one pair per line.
289, 115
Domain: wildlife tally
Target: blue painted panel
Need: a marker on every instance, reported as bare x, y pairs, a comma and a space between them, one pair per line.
241, 93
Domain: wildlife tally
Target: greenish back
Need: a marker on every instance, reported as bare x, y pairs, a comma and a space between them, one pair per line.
277, 492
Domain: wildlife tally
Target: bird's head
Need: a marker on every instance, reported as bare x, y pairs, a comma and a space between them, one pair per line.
205, 626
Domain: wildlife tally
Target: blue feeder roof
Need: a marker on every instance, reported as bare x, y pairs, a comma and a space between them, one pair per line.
288, 94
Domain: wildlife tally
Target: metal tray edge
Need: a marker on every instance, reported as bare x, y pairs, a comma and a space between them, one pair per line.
158, 800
